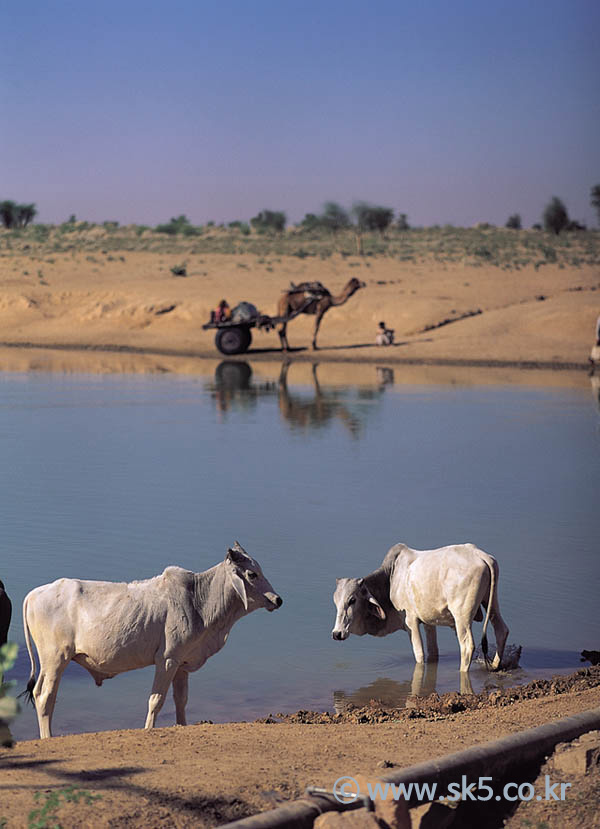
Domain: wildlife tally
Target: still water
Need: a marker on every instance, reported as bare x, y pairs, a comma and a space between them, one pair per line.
116, 476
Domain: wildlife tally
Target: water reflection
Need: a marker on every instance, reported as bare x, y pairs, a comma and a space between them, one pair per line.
235, 389
595, 384
391, 693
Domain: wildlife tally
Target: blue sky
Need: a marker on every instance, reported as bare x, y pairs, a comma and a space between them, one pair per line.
452, 112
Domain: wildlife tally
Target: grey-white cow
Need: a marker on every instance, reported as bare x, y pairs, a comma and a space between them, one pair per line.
446, 586
174, 621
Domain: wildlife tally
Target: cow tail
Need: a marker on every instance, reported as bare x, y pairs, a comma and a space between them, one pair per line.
484, 641
28, 692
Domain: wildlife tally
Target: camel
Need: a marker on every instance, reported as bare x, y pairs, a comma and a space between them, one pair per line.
312, 298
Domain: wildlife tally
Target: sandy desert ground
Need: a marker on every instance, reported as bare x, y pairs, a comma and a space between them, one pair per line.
132, 301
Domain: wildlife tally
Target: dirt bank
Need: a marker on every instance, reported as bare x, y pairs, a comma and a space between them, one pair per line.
440, 311
204, 774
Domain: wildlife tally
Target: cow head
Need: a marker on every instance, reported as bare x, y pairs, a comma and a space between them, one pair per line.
357, 609
248, 581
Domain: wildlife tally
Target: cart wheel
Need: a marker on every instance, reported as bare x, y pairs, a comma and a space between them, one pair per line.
234, 340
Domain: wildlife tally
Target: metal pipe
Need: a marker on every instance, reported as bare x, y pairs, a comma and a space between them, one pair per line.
498, 756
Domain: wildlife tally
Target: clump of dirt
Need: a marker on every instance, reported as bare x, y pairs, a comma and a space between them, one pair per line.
437, 706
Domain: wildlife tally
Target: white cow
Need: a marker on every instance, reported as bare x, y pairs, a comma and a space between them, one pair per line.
174, 621
446, 587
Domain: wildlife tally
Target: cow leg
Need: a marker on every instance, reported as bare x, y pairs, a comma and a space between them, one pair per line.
432, 646
180, 695
467, 645
465, 683
501, 633
45, 691
163, 676
412, 624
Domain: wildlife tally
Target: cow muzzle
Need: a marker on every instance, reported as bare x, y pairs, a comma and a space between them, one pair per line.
275, 601
339, 635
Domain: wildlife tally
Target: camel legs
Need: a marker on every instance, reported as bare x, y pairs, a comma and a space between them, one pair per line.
320, 315
283, 336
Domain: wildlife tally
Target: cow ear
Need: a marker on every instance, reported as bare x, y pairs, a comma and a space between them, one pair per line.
375, 608
238, 585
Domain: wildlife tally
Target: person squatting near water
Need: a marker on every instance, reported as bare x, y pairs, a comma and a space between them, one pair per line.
385, 336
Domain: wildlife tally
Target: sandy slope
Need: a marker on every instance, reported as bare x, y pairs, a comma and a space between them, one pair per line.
134, 301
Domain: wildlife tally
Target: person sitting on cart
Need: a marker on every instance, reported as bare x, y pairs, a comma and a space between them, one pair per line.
222, 311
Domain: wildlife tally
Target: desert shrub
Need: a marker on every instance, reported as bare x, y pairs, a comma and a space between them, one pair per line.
179, 270
179, 224
243, 227
514, 222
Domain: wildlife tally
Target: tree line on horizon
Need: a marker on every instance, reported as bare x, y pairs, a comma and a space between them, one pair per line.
362, 217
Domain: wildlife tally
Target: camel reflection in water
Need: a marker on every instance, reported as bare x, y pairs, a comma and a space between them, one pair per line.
234, 389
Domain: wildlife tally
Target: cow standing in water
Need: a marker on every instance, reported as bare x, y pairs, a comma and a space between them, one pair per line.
174, 621
447, 586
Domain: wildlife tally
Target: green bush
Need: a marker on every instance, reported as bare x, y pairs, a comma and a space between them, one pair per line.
9, 707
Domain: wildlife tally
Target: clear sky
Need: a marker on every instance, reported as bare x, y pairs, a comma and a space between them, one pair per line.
452, 111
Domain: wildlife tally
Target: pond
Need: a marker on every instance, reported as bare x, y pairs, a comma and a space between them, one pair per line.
115, 476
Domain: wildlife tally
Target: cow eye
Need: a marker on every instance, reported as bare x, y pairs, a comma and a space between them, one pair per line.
352, 600
252, 575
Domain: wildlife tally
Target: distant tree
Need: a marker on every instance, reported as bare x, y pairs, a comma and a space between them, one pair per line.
555, 216
514, 222
178, 224
334, 217
15, 215
311, 222
536, 226
575, 225
371, 217
595, 199
25, 213
269, 220
402, 222
8, 211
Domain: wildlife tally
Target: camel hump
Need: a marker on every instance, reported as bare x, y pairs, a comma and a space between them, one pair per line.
315, 288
